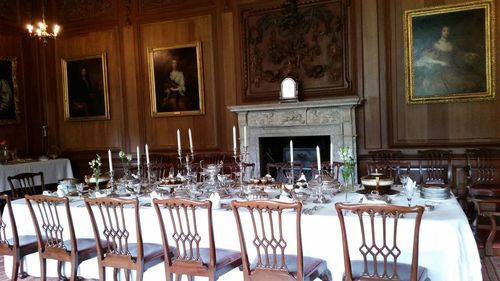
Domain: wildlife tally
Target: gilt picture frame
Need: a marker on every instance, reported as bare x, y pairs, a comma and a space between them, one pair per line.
85, 88
9, 92
176, 80
449, 53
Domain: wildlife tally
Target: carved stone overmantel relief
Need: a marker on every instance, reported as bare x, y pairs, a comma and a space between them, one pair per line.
305, 40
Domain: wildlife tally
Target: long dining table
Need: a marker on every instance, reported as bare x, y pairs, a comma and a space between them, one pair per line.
447, 246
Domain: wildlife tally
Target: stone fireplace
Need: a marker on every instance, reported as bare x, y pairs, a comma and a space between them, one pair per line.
333, 118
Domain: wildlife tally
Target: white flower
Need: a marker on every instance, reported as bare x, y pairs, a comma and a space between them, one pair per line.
129, 157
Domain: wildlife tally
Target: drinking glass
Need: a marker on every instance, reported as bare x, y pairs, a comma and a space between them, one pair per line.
404, 179
79, 188
409, 194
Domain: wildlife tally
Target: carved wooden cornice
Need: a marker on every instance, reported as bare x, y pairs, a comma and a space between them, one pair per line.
71, 10
8, 11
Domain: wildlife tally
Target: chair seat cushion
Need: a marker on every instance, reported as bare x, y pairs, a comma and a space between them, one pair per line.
25, 240
223, 257
404, 270
85, 246
152, 251
311, 265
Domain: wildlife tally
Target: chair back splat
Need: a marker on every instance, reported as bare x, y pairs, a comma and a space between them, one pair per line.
188, 224
113, 228
24, 184
278, 254
381, 243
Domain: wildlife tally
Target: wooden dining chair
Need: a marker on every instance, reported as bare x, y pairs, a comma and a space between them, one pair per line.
333, 170
391, 169
483, 176
385, 155
53, 224
379, 244
485, 228
182, 226
435, 166
24, 184
14, 245
264, 223
112, 226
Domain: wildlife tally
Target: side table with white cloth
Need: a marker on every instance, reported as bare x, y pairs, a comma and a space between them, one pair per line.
53, 171
447, 246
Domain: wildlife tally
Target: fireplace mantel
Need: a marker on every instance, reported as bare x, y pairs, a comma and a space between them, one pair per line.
335, 118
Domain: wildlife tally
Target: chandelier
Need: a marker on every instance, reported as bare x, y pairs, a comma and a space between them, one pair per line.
41, 30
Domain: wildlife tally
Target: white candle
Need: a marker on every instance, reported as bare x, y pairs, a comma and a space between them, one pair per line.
110, 161
147, 155
331, 154
245, 136
190, 141
318, 158
291, 151
234, 139
138, 157
179, 142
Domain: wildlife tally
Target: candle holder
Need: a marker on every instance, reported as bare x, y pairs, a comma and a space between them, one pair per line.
320, 198
111, 182
240, 160
187, 163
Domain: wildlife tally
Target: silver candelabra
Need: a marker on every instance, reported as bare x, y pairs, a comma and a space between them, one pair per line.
240, 160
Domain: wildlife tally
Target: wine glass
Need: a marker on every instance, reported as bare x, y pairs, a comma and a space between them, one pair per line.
404, 179
79, 188
410, 191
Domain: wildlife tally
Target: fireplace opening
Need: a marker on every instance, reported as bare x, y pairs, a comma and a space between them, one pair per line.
277, 149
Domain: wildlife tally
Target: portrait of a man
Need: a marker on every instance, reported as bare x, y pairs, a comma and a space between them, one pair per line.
176, 80
8, 91
86, 88
448, 53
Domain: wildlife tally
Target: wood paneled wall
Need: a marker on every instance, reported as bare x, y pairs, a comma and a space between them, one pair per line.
125, 30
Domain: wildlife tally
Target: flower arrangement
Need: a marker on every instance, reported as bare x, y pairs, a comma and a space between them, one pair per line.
125, 158
347, 170
95, 165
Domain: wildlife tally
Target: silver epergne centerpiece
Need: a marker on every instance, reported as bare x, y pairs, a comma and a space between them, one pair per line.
187, 163
240, 160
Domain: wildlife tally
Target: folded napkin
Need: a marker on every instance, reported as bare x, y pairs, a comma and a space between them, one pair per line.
215, 198
284, 198
367, 200
410, 184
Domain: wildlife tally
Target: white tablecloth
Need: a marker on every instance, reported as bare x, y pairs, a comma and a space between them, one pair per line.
447, 246
53, 170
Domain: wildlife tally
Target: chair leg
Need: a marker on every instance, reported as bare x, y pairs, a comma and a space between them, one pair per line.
22, 274
43, 268
74, 270
139, 274
178, 277
102, 273
127, 274
15, 267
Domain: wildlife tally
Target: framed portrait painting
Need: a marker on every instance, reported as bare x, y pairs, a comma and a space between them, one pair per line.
449, 53
176, 80
85, 87
9, 93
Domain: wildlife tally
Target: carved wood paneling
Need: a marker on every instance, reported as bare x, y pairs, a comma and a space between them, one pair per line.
73, 10
151, 6
307, 40
8, 11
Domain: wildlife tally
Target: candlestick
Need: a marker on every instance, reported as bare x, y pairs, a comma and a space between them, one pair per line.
318, 158
110, 161
147, 155
179, 151
190, 141
291, 151
245, 136
234, 139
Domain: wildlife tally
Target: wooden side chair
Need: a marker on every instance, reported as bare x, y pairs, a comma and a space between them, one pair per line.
263, 222
483, 176
112, 226
182, 225
485, 226
14, 245
379, 248
385, 155
435, 166
390, 169
333, 170
53, 223
24, 184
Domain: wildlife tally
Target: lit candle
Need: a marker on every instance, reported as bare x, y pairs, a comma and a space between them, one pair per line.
245, 136
110, 161
318, 158
147, 155
138, 157
291, 151
331, 154
190, 141
179, 142
234, 139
